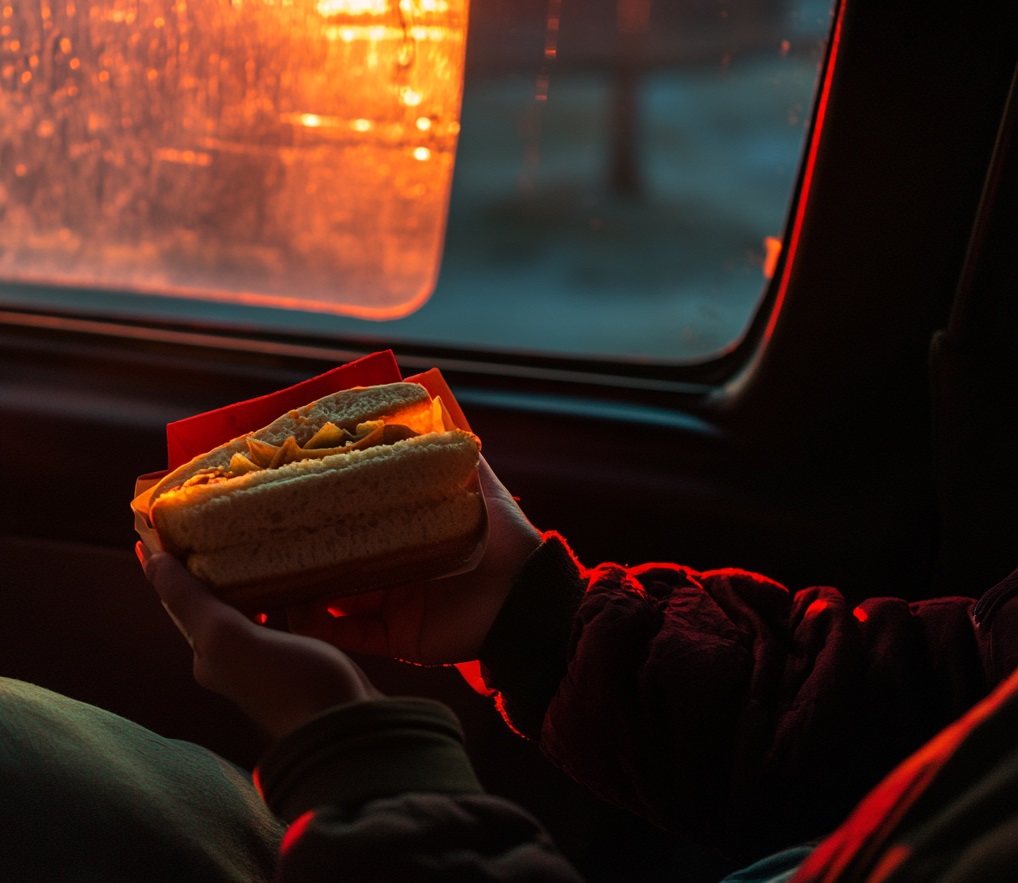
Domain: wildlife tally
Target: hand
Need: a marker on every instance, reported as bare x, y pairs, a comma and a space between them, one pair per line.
279, 680
437, 622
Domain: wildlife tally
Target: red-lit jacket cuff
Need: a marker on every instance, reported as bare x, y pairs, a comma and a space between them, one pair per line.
525, 654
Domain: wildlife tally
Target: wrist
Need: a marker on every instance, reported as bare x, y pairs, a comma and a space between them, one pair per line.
362, 751
525, 654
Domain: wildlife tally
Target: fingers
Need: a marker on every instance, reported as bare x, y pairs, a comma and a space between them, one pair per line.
220, 636
278, 679
505, 517
190, 606
187, 599
492, 486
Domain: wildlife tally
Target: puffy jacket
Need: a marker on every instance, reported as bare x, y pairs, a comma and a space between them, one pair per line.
718, 705
723, 706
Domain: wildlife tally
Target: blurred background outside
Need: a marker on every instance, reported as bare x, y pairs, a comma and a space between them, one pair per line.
621, 167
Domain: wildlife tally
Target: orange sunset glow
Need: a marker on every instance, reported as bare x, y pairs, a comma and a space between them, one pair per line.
293, 153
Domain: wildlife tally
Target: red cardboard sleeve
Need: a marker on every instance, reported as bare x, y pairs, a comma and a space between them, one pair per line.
193, 436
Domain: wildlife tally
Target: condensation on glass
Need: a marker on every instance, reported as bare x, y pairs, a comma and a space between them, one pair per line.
279, 152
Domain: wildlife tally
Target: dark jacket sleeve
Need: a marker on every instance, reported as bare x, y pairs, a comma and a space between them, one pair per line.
719, 704
948, 812
383, 790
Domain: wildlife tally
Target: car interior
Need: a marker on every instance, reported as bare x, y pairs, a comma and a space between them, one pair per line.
857, 432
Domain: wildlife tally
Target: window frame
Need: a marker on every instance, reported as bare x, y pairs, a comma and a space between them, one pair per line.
828, 388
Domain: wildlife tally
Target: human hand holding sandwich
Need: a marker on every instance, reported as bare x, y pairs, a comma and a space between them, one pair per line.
440, 621
279, 680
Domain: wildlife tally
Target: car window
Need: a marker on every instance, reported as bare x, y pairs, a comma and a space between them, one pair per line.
623, 168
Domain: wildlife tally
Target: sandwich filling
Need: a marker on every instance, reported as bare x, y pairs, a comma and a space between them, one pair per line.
327, 441
324, 440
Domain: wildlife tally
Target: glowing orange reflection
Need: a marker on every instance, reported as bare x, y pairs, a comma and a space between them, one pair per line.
772, 251
264, 151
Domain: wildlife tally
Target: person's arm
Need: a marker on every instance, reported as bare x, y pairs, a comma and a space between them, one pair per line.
372, 787
383, 790
719, 704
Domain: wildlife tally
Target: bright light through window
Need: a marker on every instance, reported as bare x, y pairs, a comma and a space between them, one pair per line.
623, 172
259, 152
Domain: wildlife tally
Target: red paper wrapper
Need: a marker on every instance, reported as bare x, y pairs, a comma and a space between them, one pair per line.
193, 436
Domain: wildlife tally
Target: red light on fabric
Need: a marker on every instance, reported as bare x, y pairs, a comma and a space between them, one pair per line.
862, 847
818, 606
471, 673
860, 614
256, 780
296, 831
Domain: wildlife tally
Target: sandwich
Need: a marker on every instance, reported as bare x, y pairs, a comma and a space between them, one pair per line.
367, 487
